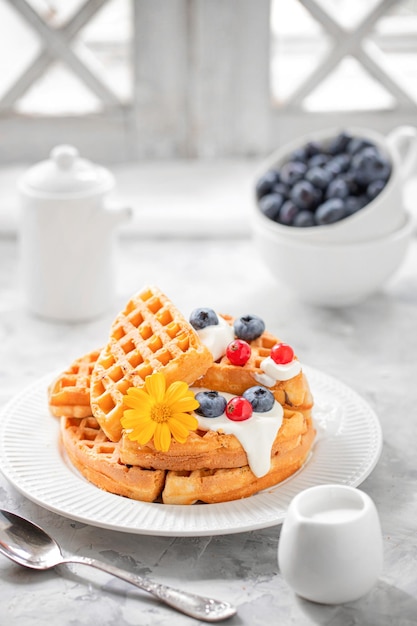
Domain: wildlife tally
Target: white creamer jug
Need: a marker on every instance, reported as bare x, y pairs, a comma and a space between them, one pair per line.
331, 548
67, 237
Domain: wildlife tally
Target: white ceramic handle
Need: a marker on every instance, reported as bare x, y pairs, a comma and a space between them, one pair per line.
403, 140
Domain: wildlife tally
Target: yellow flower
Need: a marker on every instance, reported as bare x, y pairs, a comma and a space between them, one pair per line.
158, 412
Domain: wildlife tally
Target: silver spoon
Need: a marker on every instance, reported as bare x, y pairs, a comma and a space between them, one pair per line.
27, 544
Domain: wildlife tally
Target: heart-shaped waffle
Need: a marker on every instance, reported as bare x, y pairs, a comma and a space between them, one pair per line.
149, 335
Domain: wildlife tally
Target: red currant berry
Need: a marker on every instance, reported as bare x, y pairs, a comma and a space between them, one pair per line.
282, 353
238, 352
239, 409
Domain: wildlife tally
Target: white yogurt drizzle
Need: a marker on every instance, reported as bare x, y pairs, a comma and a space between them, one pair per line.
277, 371
256, 434
217, 337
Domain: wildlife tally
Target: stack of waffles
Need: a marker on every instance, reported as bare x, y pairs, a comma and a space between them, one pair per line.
150, 335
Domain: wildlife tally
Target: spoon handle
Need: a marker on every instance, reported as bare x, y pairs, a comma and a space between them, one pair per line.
196, 606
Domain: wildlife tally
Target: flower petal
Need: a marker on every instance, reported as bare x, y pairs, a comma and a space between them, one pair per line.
155, 386
189, 421
143, 433
132, 419
144, 413
179, 431
185, 404
137, 398
175, 392
162, 437
158, 412
131, 416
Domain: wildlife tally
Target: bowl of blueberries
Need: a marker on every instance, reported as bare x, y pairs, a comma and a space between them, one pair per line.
329, 214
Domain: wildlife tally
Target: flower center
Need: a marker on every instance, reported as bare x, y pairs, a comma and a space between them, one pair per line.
160, 413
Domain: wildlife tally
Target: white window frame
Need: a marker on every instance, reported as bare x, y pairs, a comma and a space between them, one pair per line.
201, 86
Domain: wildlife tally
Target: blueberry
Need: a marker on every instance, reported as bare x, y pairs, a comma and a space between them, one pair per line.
354, 203
212, 404
356, 144
287, 213
282, 189
306, 152
313, 148
330, 211
370, 165
338, 164
266, 182
323, 182
375, 188
271, 204
319, 177
304, 219
202, 317
261, 398
383, 169
338, 188
349, 178
249, 327
339, 143
318, 160
300, 154
305, 195
292, 171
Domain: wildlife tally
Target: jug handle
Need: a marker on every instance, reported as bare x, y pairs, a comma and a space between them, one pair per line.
403, 140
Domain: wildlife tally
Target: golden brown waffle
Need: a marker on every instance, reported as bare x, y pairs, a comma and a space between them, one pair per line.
209, 449
97, 458
69, 393
149, 335
213, 467
222, 485
223, 376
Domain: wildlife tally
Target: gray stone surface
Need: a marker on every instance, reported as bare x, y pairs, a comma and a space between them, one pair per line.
371, 347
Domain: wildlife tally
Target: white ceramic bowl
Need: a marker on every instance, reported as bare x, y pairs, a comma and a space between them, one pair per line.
332, 274
379, 217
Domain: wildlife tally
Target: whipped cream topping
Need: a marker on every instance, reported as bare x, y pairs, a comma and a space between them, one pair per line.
217, 337
256, 434
277, 371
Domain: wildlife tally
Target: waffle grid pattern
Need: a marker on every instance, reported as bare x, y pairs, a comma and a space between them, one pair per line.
69, 394
148, 336
97, 458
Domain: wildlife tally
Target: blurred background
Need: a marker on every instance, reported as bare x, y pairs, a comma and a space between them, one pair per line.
200, 81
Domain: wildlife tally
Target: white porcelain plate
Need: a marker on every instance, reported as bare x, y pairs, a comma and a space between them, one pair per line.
348, 446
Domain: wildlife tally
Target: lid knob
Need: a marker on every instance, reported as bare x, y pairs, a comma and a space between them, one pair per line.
64, 156
65, 173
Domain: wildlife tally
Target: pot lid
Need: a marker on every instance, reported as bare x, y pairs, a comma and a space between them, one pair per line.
65, 172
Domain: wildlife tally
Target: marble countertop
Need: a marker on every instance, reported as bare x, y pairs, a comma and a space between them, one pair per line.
370, 347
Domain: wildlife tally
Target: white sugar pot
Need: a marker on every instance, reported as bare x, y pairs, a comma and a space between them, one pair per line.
67, 236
